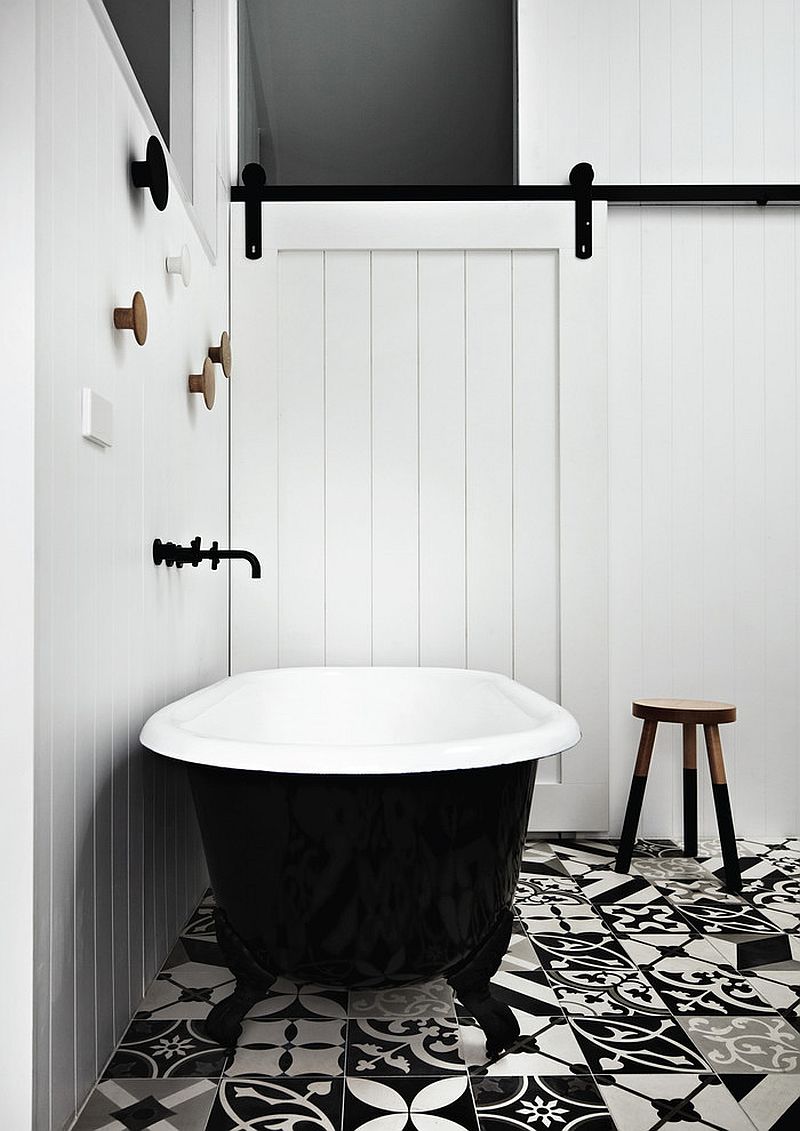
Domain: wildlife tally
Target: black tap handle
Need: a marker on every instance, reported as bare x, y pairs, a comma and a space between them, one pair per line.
214, 555
195, 545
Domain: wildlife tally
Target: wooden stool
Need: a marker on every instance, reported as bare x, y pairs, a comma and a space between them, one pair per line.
688, 712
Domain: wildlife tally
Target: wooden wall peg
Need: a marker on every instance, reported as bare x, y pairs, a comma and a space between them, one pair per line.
222, 353
133, 317
204, 382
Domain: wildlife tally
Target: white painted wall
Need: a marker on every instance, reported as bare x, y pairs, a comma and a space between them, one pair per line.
17, 302
118, 864
703, 356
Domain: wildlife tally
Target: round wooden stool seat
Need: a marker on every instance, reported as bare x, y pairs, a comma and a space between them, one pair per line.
696, 711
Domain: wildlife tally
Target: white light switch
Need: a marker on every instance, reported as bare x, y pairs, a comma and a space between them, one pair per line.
97, 418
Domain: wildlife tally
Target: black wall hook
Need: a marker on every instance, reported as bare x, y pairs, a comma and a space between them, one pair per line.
152, 173
171, 554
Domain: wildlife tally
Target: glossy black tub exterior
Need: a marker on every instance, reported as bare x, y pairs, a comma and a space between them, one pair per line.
363, 880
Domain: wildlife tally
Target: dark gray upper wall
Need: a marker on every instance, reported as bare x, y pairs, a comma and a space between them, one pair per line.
143, 29
386, 92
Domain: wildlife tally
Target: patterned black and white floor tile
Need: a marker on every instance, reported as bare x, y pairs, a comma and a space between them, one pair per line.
691, 976
645, 1000
681, 1100
658, 917
185, 990
540, 1103
416, 1102
772, 1102
640, 1044
403, 1046
546, 1047
287, 999
166, 1048
261, 1105
138, 1105
777, 897
427, 999
593, 977
745, 1044
289, 1047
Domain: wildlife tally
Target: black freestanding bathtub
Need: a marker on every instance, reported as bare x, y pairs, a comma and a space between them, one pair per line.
363, 827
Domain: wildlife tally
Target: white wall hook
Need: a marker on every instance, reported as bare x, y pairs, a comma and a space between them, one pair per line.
181, 265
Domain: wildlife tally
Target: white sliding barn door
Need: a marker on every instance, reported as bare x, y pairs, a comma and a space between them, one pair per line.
418, 454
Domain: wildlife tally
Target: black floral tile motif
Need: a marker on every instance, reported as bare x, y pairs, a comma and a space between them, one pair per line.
261, 1105
644, 1102
767, 1043
166, 1048
416, 1102
289, 1047
593, 977
137, 1105
403, 1046
540, 1103
772, 1102
657, 917
691, 977
641, 1044
713, 916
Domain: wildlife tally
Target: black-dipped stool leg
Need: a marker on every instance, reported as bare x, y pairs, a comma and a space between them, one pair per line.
224, 1022
689, 789
472, 986
722, 805
636, 796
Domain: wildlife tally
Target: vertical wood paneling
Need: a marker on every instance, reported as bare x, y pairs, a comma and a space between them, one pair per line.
657, 439
780, 520
301, 445
489, 460
63, 534
442, 458
696, 92
395, 459
535, 471
115, 637
348, 458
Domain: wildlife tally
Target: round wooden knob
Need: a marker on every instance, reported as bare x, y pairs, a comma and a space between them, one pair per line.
222, 353
152, 173
180, 265
204, 382
133, 317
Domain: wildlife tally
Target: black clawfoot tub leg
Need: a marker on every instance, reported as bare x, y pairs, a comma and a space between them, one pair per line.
224, 1022
472, 986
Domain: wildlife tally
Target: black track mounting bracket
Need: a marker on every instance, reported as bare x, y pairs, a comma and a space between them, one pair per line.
581, 189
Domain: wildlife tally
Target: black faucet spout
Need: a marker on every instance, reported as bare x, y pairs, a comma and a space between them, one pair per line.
245, 555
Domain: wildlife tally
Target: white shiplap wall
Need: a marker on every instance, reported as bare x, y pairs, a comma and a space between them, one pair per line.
703, 359
118, 862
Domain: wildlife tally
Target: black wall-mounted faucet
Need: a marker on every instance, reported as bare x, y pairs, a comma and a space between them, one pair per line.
169, 554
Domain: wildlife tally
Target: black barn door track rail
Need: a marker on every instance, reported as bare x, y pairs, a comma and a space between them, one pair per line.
254, 189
